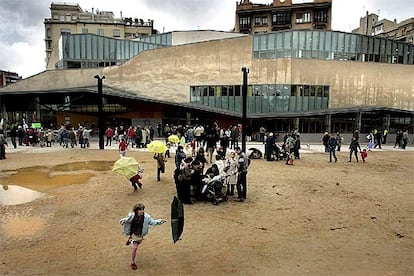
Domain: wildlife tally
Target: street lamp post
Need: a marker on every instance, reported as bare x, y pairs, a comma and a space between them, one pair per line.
100, 112
244, 116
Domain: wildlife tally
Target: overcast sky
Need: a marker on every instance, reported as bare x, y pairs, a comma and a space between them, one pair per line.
22, 48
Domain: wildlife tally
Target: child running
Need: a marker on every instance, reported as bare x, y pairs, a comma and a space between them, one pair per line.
136, 226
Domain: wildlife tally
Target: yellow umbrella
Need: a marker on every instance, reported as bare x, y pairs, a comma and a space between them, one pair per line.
126, 166
173, 139
157, 147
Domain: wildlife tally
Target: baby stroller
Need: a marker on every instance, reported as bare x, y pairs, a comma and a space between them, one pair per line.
279, 152
214, 189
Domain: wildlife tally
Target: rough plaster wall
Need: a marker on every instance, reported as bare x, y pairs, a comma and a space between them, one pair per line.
56, 79
168, 73
359, 84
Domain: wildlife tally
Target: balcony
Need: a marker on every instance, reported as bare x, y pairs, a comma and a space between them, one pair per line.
244, 28
320, 25
278, 26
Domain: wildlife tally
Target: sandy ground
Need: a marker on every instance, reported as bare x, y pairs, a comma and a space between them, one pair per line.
313, 218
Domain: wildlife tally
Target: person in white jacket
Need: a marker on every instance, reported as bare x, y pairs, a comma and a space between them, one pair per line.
136, 226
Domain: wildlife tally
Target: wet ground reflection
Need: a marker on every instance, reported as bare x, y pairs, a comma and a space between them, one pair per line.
18, 184
14, 195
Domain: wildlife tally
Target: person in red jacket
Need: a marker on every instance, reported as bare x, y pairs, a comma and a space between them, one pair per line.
109, 132
122, 147
364, 155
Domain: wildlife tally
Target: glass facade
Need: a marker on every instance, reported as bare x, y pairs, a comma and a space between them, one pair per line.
318, 44
263, 98
162, 39
89, 50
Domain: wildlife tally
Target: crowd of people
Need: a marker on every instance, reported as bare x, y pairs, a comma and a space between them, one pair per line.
192, 174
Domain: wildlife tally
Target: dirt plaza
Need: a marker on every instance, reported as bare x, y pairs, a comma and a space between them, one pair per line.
312, 218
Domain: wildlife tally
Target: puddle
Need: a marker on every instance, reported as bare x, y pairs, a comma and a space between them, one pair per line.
14, 195
87, 165
26, 182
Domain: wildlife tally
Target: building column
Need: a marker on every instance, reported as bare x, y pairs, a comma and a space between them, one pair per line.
358, 120
296, 123
387, 120
328, 118
188, 118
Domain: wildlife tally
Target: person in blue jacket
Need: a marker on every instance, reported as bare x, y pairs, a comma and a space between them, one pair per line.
136, 226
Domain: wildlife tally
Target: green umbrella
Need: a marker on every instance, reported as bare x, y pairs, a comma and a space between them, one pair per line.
126, 166
177, 219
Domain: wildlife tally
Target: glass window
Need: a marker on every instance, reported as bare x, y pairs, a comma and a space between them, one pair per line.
77, 53
65, 31
116, 33
256, 40
295, 44
100, 47
341, 42
307, 17
237, 91
287, 41
321, 16
271, 46
353, 43
100, 31
326, 91
112, 49
299, 18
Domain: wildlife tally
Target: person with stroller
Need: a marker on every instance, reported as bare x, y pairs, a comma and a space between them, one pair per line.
212, 171
212, 188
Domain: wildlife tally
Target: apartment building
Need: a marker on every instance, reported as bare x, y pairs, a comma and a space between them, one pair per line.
280, 15
371, 25
69, 18
7, 78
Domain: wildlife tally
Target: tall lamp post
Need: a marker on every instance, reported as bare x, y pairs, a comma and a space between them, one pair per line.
244, 107
100, 112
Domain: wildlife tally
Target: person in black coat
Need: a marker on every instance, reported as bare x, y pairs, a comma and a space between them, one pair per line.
270, 144
353, 147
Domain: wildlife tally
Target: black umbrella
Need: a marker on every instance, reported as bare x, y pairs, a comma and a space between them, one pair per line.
177, 219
